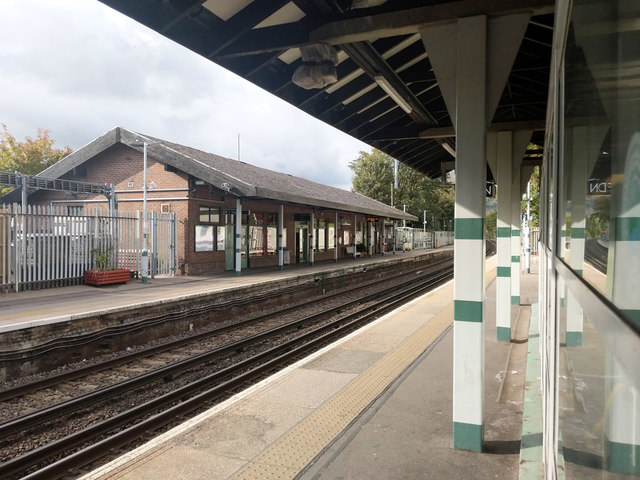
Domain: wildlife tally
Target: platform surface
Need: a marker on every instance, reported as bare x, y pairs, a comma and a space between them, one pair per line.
376, 404
28, 308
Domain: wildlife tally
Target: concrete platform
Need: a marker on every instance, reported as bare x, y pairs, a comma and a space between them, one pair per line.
376, 404
37, 307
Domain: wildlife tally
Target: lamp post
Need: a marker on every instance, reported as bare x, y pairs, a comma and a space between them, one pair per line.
144, 255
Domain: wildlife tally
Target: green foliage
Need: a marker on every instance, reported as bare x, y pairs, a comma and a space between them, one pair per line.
102, 257
31, 156
491, 224
373, 177
534, 207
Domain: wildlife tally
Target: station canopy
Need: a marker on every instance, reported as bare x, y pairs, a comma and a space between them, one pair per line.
360, 65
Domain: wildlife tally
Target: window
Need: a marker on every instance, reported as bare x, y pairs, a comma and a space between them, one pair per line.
332, 237
209, 214
263, 234
75, 210
320, 235
220, 233
204, 238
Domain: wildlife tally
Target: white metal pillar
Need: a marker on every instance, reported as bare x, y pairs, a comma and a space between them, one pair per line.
516, 218
335, 239
355, 227
238, 240
280, 243
503, 280
577, 193
312, 237
468, 356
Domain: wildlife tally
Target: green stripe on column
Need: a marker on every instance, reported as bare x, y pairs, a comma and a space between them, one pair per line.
468, 228
467, 311
467, 436
578, 272
628, 229
621, 457
574, 339
515, 258
634, 316
504, 334
577, 232
504, 232
515, 299
515, 232
504, 271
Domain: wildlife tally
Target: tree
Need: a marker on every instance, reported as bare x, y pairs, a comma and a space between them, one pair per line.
31, 156
373, 177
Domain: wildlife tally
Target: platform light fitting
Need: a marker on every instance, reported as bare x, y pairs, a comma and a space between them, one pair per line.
395, 96
449, 149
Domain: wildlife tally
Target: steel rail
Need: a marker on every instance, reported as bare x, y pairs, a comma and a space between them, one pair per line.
285, 351
56, 379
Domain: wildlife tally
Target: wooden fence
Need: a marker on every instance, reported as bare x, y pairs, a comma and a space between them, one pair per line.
44, 247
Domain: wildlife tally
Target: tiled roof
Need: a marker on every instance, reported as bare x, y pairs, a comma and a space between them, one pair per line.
238, 178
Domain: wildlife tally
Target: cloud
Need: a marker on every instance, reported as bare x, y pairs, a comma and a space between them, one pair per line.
79, 68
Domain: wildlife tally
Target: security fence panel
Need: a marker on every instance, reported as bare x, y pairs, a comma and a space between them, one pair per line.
44, 246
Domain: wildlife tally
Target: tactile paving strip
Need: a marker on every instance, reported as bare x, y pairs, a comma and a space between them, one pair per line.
288, 456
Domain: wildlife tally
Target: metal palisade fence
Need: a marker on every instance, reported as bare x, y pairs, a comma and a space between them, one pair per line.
44, 247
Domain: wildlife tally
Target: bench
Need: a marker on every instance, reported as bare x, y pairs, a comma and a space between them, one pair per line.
349, 250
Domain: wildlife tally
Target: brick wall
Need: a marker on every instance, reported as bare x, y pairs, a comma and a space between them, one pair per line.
123, 167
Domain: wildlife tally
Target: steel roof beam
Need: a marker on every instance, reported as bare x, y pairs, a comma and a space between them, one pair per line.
388, 24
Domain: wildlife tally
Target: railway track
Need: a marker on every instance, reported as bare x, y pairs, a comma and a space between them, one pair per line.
180, 388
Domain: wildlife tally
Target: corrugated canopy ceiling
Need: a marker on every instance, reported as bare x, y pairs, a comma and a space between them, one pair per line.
374, 42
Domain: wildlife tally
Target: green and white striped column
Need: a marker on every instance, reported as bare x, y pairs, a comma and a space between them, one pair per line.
503, 280
468, 326
622, 441
516, 218
578, 193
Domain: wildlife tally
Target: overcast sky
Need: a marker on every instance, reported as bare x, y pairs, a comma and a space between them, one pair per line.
78, 69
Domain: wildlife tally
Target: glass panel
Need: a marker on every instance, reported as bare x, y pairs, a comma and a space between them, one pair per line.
256, 234
204, 238
320, 235
600, 191
221, 238
599, 208
347, 237
599, 399
272, 240
332, 233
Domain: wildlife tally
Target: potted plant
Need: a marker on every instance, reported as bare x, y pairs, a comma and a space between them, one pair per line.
103, 274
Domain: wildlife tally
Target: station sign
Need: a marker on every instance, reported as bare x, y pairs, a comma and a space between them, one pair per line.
598, 187
490, 189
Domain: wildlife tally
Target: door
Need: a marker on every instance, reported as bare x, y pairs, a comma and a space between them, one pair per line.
302, 242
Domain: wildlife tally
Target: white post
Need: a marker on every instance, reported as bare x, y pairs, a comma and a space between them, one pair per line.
144, 261
238, 237
335, 239
527, 240
280, 232
468, 325
312, 237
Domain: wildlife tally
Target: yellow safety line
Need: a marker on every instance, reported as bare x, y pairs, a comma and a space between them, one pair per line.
285, 458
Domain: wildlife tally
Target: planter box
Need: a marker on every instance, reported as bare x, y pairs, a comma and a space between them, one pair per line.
106, 277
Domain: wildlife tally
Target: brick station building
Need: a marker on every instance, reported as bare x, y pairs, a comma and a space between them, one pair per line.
205, 191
